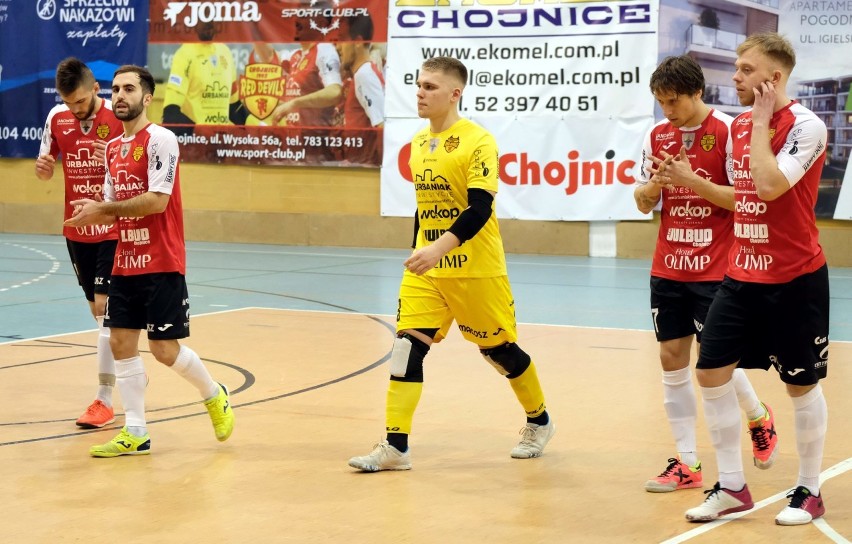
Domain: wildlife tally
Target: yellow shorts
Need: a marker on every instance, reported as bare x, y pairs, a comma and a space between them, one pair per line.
483, 307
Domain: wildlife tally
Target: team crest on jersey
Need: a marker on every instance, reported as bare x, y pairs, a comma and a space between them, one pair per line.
451, 143
688, 138
708, 141
260, 88
771, 133
125, 149
137, 152
102, 131
85, 126
433, 144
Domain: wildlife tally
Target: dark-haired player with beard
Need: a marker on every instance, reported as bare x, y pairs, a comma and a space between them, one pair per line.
148, 290
78, 129
363, 91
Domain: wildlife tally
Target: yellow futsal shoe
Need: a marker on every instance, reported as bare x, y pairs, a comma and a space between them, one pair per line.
124, 443
221, 414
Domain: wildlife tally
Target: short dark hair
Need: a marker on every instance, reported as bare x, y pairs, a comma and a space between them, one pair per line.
360, 27
680, 75
71, 74
447, 65
146, 80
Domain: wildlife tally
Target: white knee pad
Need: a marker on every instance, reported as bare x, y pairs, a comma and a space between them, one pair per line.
399, 357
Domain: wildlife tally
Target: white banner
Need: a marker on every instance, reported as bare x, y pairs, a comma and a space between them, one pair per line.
560, 86
551, 169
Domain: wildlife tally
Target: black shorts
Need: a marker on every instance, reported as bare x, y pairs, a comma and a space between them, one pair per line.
761, 325
679, 308
92, 264
157, 303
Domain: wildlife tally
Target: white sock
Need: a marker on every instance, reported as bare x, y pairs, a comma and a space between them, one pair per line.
106, 364
188, 364
811, 415
679, 402
130, 378
722, 414
746, 396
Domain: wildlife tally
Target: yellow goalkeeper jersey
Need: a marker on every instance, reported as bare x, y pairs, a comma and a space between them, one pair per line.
444, 166
203, 82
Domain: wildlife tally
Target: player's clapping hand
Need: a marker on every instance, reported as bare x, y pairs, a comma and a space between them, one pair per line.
87, 212
678, 170
658, 175
99, 151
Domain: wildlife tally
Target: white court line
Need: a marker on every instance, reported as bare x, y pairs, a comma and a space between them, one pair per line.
823, 526
53, 267
392, 316
95, 330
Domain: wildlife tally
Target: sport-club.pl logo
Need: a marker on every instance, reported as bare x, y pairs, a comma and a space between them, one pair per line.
46, 9
335, 23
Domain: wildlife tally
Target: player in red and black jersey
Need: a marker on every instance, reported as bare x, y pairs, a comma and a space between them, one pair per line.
78, 130
772, 309
684, 172
148, 290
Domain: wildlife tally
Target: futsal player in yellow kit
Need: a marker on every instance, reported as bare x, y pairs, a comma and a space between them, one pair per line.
202, 87
457, 270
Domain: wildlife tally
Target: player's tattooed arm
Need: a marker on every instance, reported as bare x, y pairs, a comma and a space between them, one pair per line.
647, 196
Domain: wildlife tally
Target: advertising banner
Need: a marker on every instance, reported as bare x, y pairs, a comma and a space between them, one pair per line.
35, 35
557, 85
275, 82
821, 32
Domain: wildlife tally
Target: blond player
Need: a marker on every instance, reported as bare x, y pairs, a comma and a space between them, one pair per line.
457, 271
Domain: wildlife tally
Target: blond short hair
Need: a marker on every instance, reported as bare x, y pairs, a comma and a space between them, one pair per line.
447, 65
774, 46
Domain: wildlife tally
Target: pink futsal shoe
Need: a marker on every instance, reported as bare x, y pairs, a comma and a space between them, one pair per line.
803, 508
96, 416
764, 439
721, 501
676, 476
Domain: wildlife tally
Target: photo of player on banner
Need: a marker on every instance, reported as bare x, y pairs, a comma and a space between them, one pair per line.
282, 83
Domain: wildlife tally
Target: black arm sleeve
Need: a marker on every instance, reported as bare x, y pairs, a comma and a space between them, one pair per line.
173, 116
416, 228
474, 217
237, 113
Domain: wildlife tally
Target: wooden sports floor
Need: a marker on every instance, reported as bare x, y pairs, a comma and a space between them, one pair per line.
301, 337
